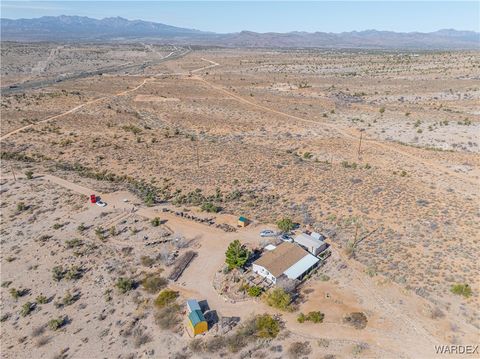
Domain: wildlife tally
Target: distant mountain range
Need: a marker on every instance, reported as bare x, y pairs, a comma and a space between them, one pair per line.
76, 28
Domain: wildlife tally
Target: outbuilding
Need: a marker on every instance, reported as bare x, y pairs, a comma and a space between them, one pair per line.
312, 244
197, 322
242, 221
192, 305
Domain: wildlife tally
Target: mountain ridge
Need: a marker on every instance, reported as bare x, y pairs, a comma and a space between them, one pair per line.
82, 28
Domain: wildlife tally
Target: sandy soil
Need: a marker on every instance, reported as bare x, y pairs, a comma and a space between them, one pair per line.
264, 134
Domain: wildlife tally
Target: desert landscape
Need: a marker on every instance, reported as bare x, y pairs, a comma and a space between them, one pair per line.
376, 150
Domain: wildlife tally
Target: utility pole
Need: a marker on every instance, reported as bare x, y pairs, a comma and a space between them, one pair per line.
198, 157
360, 144
13, 173
356, 234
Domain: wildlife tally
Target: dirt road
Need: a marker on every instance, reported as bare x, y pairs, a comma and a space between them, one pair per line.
386, 146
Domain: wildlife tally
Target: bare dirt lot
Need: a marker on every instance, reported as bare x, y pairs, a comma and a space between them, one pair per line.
384, 144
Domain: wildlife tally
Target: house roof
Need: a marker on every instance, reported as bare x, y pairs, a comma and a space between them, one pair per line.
308, 241
281, 258
301, 266
242, 219
196, 317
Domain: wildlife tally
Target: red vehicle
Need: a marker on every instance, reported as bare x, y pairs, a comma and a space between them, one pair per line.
93, 198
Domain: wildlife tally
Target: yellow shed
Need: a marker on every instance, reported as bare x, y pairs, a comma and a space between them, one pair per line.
197, 322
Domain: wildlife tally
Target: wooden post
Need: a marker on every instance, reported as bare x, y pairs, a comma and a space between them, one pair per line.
360, 144
356, 234
13, 173
198, 157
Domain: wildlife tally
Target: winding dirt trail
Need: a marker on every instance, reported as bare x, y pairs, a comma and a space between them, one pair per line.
344, 133
73, 110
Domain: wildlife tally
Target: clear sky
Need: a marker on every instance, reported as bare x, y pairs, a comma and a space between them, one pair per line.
265, 16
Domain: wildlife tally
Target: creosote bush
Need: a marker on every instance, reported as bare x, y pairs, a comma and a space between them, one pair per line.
165, 298
314, 317
461, 289
279, 298
285, 224
125, 285
153, 283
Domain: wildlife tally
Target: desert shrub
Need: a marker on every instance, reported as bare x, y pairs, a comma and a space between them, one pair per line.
461, 289
436, 313
37, 331
196, 345
81, 227
132, 128
140, 337
165, 298
315, 317
210, 207
356, 319
307, 155
73, 273
359, 348
125, 285
73, 243
17, 293
254, 291
153, 283
58, 273
381, 110
266, 326
156, 221
215, 344
236, 255
346, 164
371, 271
42, 341
299, 349
55, 324
41, 299
323, 342
21, 206
147, 261
27, 309
279, 298
236, 342
69, 299
168, 317
29, 174
285, 224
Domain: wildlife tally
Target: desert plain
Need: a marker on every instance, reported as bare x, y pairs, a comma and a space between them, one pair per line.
376, 146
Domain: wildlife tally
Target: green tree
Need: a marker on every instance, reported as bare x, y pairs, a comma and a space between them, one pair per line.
236, 255
285, 224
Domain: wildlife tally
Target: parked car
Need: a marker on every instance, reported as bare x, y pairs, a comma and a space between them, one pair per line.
267, 233
286, 238
101, 203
